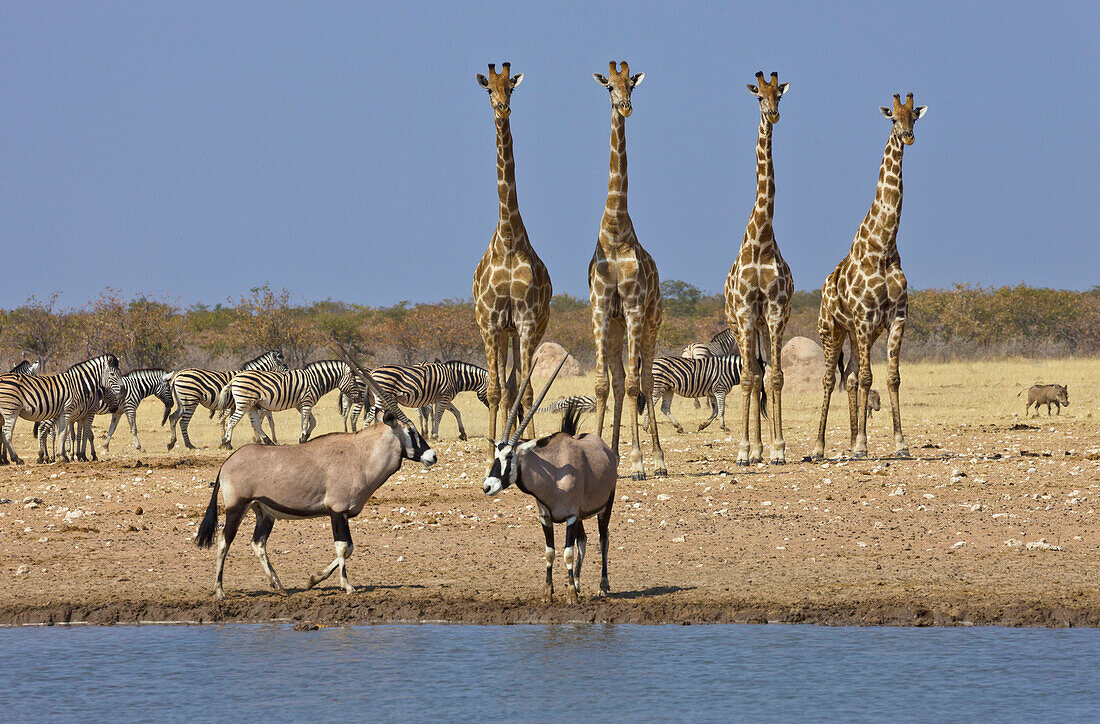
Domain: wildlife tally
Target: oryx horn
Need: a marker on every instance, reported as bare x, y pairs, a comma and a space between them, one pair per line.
378, 391
515, 405
535, 405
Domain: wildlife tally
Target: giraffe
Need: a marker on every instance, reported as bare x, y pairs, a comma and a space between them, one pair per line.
624, 290
512, 288
866, 293
758, 291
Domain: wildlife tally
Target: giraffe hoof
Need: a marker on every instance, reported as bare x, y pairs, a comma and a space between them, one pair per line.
743, 463
637, 476
859, 455
779, 461
661, 472
903, 454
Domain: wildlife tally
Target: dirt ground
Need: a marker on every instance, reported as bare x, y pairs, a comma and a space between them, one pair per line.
994, 522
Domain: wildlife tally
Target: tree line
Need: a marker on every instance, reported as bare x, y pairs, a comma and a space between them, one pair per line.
963, 322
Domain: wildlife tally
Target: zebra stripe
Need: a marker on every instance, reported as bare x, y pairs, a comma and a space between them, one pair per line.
419, 386
720, 345
104, 400
254, 390
40, 398
695, 378
584, 403
136, 386
194, 387
465, 377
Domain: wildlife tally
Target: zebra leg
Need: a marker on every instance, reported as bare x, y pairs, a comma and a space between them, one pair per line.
256, 418
9, 425
425, 414
131, 417
461, 429
440, 406
308, 422
115, 417
666, 408
713, 414
720, 406
185, 421
270, 416
238, 413
66, 436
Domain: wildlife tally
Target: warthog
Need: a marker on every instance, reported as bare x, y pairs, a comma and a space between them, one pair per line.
1057, 395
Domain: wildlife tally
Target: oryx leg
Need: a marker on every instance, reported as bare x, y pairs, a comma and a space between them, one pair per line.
264, 524
233, 515
581, 548
341, 535
570, 541
603, 518
548, 534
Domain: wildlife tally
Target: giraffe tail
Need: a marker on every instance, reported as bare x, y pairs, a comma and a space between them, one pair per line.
763, 391
840, 370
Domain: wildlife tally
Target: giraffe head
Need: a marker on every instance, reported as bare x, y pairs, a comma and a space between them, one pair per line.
500, 87
904, 116
620, 84
768, 92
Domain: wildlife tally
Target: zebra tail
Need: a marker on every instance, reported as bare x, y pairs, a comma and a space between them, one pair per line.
34, 432
167, 412
223, 400
205, 537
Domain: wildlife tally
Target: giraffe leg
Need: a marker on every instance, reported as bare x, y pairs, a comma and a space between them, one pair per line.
634, 361
601, 329
492, 394
893, 382
660, 468
528, 340
779, 445
864, 342
618, 381
756, 447
850, 379
746, 342
832, 340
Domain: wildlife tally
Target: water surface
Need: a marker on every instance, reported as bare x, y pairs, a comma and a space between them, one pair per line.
435, 672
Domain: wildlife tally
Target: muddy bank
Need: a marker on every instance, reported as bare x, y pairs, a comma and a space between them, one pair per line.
337, 609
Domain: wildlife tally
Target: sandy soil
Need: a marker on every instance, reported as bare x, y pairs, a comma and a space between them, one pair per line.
994, 522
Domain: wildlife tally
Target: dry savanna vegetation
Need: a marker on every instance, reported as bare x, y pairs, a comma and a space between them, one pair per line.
995, 521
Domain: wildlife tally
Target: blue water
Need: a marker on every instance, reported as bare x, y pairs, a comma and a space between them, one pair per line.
536, 673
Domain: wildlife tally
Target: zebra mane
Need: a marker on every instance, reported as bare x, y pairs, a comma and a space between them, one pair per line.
104, 359
270, 354
724, 336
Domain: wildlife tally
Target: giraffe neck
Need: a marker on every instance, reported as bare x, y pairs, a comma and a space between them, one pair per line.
765, 181
510, 224
880, 227
617, 182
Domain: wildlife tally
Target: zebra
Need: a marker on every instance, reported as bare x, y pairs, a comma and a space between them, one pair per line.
720, 345
136, 386
103, 400
581, 403
194, 387
419, 386
40, 398
465, 377
25, 368
695, 378
255, 390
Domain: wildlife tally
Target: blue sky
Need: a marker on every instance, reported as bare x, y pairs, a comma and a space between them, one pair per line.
194, 150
